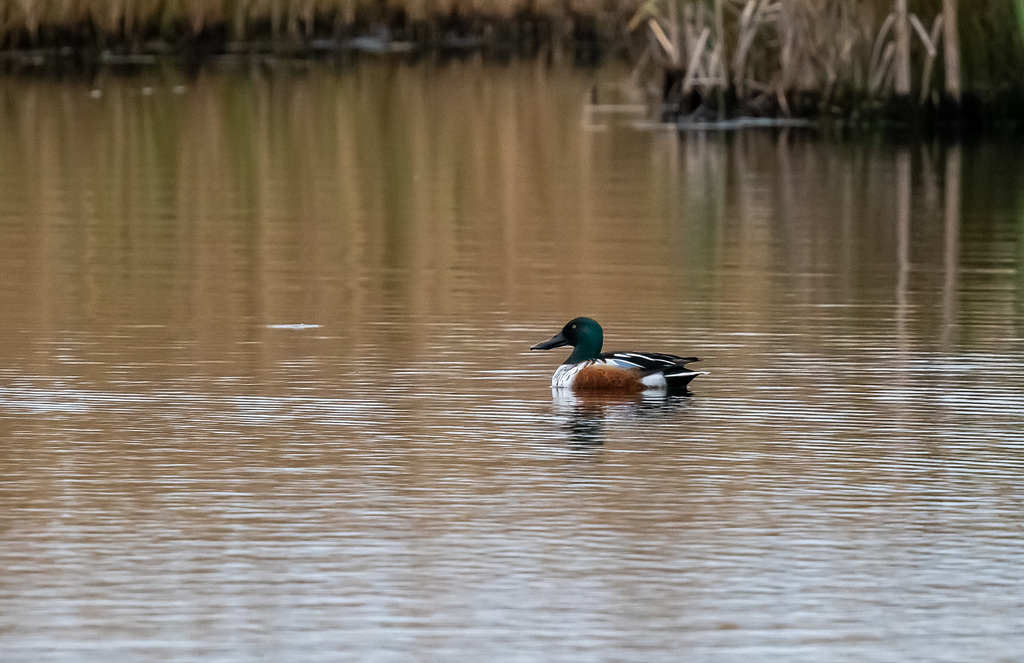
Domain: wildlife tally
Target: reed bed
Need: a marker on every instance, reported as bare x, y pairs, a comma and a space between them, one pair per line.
697, 58
715, 59
33, 22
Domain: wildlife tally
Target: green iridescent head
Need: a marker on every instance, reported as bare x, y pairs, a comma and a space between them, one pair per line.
584, 334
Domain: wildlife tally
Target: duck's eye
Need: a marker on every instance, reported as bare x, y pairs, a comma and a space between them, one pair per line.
574, 326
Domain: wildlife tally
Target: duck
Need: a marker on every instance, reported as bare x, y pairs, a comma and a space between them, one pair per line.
589, 370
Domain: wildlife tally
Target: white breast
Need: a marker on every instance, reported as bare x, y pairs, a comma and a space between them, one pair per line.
566, 373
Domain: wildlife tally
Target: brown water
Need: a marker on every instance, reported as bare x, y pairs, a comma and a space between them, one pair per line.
265, 392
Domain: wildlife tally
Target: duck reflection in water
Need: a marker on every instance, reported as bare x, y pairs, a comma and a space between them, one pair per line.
585, 414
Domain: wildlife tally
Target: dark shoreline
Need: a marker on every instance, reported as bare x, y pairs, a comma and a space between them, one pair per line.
496, 37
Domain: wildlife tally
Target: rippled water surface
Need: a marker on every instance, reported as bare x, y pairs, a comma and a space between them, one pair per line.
265, 391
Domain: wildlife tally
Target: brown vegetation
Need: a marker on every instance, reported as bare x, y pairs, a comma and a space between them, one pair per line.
799, 57
712, 58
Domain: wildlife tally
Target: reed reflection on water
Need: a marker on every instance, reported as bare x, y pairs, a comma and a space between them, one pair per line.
265, 391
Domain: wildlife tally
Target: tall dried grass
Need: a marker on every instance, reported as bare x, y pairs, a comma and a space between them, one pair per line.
793, 56
772, 56
114, 19
843, 56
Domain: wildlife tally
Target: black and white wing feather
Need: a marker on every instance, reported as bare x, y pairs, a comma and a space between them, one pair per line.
672, 367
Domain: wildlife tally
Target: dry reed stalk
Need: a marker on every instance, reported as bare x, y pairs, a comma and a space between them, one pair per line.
951, 51
902, 51
673, 23
29, 11
696, 56
719, 57
930, 40
877, 67
238, 20
195, 13
747, 32
666, 44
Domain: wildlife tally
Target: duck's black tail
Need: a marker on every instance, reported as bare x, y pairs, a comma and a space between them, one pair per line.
679, 376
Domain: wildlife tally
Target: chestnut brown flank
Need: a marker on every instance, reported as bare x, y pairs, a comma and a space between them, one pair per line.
608, 378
